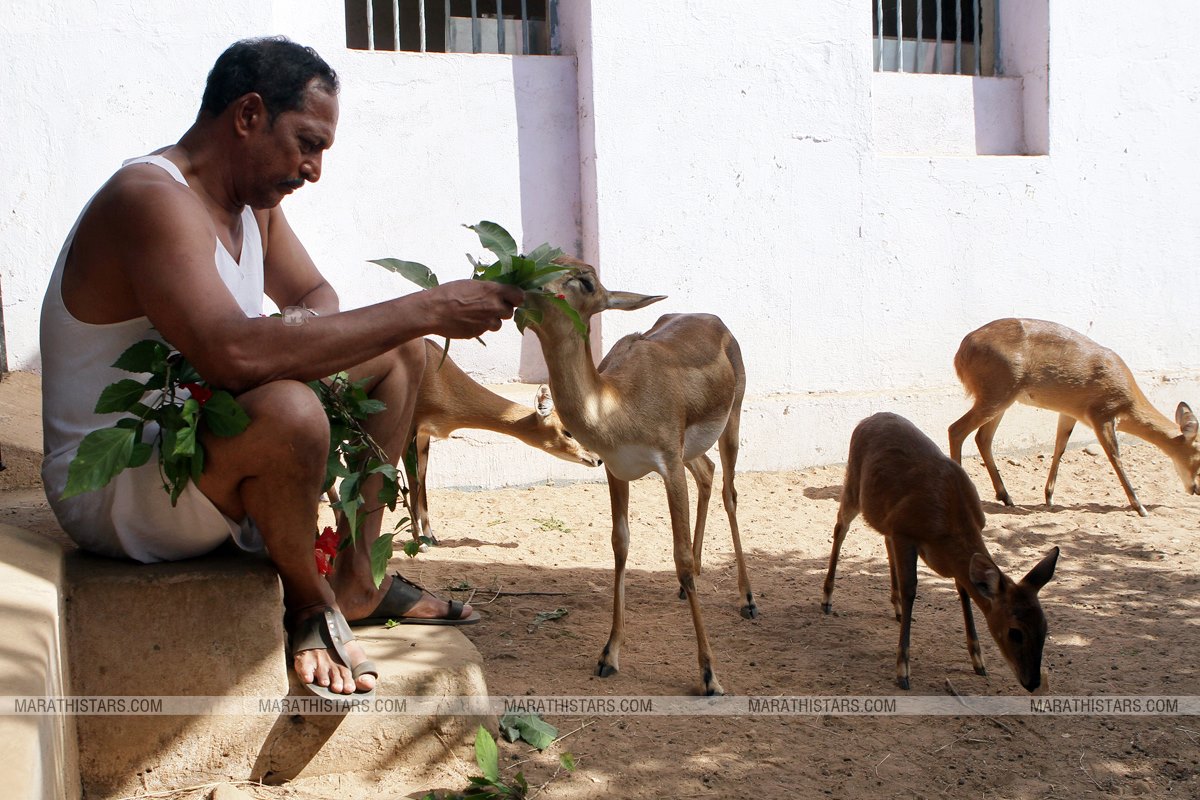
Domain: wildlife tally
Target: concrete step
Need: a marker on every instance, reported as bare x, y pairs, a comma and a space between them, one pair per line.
213, 627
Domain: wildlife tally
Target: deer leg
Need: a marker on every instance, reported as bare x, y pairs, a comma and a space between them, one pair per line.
903, 555
1107, 434
416, 482
677, 503
983, 440
618, 495
972, 636
728, 445
1066, 424
702, 471
974, 418
847, 511
891, 554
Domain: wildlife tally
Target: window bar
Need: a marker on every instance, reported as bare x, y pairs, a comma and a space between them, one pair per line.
958, 37
421, 22
525, 27
937, 53
476, 40
446, 30
997, 69
396, 25
899, 37
499, 26
920, 26
978, 36
370, 25
879, 35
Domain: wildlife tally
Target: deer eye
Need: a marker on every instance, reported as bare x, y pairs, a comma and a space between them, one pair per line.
1015, 636
585, 283
568, 435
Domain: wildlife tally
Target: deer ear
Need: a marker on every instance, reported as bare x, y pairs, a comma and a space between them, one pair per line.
1040, 575
1186, 420
628, 301
543, 403
985, 575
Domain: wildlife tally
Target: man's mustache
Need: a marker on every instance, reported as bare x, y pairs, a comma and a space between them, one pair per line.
295, 183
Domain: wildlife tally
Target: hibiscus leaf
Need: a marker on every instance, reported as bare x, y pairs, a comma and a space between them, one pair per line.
418, 273
487, 755
148, 355
120, 397
495, 238
223, 416
381, 553
185, 441
102, 455
141, 454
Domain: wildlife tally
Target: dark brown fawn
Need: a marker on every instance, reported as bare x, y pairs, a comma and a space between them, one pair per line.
925, 505
1048, 365
656, 403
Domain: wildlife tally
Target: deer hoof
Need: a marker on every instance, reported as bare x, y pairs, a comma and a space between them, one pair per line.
1004, 498
902, 682
682, 593
981, 670
605, 670
1142, 512
749, 611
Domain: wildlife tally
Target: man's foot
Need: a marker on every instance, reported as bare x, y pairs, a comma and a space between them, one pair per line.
326, 656
406, 603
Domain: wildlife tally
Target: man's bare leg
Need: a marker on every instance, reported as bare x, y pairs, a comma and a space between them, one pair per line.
273, 471
395, 378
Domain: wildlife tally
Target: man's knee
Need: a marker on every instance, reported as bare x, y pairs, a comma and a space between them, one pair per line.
291, 413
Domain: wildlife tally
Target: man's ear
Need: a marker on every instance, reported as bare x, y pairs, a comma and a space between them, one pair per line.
249, 112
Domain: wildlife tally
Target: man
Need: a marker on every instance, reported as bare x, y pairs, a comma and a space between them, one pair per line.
181, 245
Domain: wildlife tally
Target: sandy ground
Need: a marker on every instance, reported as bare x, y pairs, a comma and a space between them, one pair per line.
1123, 612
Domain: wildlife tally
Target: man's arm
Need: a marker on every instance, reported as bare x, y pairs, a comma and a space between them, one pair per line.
166, 243
292, 279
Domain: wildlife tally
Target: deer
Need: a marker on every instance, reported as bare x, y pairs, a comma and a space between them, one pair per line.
657, 402
448, 399
1050, 366
924, 504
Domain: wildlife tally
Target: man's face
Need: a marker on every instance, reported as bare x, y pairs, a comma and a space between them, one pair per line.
287, 153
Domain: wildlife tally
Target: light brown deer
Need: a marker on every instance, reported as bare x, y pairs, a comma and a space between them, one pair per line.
1050, 366
657, 402
449, 400
925, 504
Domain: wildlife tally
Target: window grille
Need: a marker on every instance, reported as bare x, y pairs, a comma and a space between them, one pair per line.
948, 37
515, 27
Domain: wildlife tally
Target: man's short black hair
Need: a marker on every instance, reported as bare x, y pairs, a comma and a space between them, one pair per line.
274, 66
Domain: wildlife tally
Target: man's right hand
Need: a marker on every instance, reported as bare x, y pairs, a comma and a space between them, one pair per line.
466, 308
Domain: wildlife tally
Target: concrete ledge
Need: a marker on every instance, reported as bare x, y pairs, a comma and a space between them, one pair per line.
39, 758
213, 627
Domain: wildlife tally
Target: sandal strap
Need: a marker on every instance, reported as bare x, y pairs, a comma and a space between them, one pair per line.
325, 631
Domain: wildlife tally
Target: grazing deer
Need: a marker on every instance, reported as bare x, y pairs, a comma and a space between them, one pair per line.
449, 399
925, 504
1050, 366
656, 403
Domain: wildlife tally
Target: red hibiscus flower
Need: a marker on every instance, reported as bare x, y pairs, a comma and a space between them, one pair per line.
326, 550
199, 393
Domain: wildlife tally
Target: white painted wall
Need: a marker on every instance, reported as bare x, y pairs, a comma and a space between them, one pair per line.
750, 164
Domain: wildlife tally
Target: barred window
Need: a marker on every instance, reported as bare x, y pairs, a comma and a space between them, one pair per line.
516, 27
949, 37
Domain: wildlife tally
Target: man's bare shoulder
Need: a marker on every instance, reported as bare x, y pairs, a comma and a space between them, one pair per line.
146, 191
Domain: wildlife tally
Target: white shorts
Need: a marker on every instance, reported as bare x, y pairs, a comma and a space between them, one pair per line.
132, 517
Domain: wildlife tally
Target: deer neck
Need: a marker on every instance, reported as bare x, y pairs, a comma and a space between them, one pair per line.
473, 407
1148, 424
577, 386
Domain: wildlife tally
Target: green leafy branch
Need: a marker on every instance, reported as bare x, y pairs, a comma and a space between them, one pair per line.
353, 458
528, 272
180, 406
491, 785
